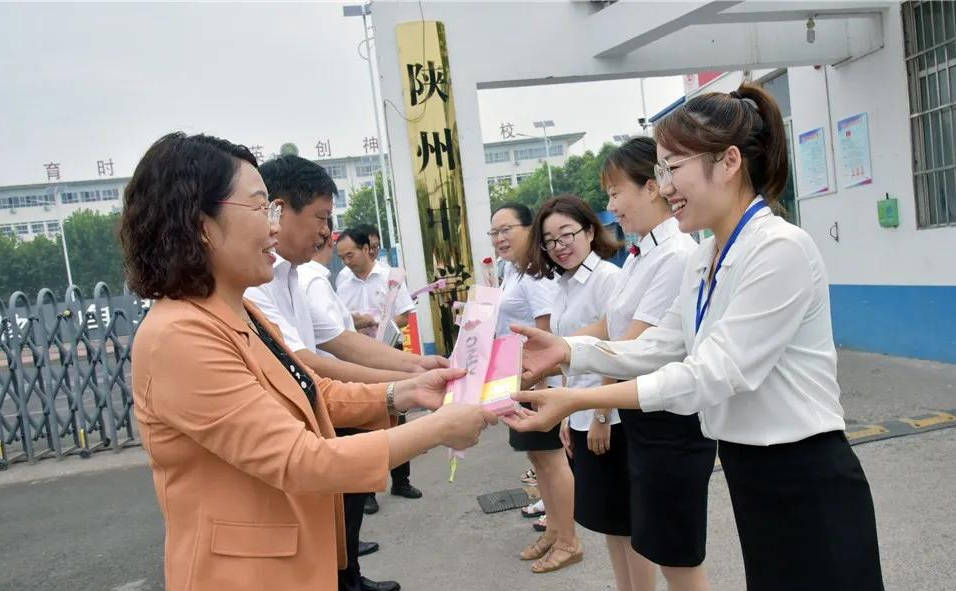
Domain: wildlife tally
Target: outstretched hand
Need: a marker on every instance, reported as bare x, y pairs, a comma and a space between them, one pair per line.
542, 352
551, 406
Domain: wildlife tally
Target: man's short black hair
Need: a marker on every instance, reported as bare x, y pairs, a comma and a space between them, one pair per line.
296, 181
358, 236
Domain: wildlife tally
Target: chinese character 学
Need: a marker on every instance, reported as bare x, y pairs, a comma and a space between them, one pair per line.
423, 83
52, 171
324, 149
507, 131
438, 148
104, 167
370, 144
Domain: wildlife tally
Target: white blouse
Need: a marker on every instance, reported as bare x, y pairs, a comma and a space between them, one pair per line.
582, 299
330, 316
648, 284
523, 299
762, 368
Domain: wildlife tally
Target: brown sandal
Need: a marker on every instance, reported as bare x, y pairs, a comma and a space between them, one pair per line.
540, 547
559, 556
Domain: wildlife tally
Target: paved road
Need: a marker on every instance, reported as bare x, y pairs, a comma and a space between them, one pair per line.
93, 524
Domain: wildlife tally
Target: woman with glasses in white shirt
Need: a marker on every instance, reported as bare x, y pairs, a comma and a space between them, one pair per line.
749, 346
572, 245
669, 460
526, 301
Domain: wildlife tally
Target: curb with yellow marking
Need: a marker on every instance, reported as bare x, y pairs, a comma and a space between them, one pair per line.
857, 434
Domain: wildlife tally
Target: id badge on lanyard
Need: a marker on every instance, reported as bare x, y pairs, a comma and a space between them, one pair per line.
702, 309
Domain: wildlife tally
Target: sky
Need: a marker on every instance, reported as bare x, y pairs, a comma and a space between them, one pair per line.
86, 82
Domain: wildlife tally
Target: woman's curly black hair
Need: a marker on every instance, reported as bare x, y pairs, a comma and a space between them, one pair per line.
179, 178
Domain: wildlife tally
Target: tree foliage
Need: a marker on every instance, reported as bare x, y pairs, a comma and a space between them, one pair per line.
94, 250
362, 210
580, 175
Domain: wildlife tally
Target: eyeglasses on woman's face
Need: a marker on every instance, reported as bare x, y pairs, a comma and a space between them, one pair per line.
664, 171
566, 239
272, 210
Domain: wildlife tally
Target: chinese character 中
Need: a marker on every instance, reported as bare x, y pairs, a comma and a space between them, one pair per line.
370, 144
422, 84
507, 131
437, 147
52, 171
324, 149
256, 152
104, 167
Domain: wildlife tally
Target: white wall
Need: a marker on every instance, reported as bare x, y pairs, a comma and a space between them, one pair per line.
868, 254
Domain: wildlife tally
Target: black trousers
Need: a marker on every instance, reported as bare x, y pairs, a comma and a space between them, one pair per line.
401, 473
350, 576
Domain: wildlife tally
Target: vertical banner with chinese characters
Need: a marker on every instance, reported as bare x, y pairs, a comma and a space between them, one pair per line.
436, 166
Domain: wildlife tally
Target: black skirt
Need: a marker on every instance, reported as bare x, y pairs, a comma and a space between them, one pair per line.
602, 498
535, 440
670, 465
804, 515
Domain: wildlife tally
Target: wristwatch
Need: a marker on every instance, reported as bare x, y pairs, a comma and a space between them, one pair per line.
390, 401
601, 417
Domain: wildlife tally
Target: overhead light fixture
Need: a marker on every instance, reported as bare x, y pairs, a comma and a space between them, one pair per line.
811, 34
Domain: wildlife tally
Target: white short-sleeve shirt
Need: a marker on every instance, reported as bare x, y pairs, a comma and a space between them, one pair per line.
582, 299
523, 299
367, 296
283, 303
330, 317
649, 282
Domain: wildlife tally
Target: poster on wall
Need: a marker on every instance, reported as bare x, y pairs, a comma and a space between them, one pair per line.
812, 177
854, 137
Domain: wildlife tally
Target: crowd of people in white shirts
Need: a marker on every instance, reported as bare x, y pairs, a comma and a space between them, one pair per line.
637, 376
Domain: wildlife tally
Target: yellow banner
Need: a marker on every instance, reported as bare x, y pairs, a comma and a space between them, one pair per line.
436, 165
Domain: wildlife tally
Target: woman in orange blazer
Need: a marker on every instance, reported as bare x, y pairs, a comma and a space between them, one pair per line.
247, 468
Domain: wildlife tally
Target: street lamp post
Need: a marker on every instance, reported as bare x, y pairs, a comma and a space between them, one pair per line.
543, 126
364, 10
57, 202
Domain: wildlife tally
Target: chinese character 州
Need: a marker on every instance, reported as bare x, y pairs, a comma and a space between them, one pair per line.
324, 148
256, 152
370, 144
507, 130
52, 171
437, 147
104, 167
422, 84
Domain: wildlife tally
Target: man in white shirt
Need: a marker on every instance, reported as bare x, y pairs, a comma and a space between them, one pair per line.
335, 331
365, 287
364, 292
304, 190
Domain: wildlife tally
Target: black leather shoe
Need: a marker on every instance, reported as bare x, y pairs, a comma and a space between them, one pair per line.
406, 490
369, 585
366, 548
371, 505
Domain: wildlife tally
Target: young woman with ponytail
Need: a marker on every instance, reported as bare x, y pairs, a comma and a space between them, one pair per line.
748, 345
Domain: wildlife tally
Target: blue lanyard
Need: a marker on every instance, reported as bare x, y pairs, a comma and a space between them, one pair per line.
753, 209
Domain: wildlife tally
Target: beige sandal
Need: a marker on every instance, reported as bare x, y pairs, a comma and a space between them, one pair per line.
559, 556
540, 547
